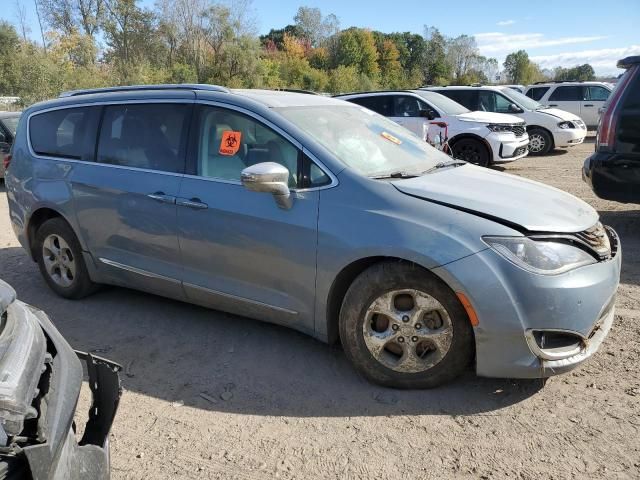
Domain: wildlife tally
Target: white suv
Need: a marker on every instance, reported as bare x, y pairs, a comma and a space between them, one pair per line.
584, 99
482, 138
548, 127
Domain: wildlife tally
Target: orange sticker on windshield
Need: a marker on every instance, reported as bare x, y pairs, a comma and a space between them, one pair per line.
391, 138
230, 143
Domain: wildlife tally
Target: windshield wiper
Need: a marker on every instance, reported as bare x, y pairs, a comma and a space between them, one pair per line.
393, 175
439, 165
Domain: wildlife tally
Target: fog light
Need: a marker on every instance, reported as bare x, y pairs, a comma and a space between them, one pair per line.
554, 344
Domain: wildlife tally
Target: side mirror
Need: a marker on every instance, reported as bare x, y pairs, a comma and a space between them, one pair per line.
428, 114
269, 177
513, 108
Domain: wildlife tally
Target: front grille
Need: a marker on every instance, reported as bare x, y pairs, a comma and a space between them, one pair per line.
597, 238
518, 130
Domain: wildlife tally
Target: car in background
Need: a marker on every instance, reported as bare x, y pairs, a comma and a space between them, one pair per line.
548, 128
8, 125
316, 214
39, 389
584, 99
613, 170
517, 88
481, 138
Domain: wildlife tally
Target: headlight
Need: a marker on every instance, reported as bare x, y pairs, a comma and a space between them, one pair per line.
565, 125
496, 127
540, 256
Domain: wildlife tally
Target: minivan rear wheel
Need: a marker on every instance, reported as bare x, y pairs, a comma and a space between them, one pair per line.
403, 327
59, 257
472, 151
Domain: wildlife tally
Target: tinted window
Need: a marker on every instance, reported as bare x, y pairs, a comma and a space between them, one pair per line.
598, 93
567, 93
229, 142
66, 133
145, 136
463, 97
382, 104
408, 106
537, 92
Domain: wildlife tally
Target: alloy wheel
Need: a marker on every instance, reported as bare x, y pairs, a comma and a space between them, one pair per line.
59, 260
407, 331
536, 143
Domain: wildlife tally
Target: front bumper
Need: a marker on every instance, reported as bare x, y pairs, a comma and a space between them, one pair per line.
510, 302
506, 147
60, 456
569, 137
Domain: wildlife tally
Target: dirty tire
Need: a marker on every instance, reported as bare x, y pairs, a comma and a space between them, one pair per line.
378, 281
472, 151
540, 141
79, 285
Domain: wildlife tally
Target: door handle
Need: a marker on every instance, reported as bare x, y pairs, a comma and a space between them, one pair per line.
162, 197
553, 104
193, 203
588, 105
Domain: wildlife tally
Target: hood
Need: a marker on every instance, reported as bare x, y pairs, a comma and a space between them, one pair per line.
560, 114
488, 117
515, 200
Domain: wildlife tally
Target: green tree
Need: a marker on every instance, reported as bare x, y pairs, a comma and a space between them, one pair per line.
344, 79
517, 67
435, 68
356, 48
390, 67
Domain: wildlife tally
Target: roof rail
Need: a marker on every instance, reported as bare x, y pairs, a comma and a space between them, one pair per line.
560, 81
130, 88
295, 90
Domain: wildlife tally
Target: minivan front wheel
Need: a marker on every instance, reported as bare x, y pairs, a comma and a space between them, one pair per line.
59, 257
403, 327
540, 142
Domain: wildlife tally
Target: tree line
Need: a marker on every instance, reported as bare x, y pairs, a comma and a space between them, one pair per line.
92, 43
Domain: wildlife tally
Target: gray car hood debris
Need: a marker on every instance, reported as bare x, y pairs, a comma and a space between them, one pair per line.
514, 200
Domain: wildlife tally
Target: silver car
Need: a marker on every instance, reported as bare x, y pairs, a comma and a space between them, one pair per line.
316, 214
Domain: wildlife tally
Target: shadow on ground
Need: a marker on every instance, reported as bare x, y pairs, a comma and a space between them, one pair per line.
176, 352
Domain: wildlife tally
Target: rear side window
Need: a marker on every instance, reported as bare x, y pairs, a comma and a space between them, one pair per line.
468, 98
598, 93
568, 93
149, 136
66, 133
382, 104
537, 93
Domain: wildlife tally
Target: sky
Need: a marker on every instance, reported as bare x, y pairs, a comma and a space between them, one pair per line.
554, 33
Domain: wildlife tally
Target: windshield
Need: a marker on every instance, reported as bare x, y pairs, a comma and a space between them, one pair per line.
442, 103
12, 123
520, 99
363, 140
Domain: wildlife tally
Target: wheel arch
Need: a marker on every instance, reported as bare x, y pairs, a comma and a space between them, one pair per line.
36, 219
343, 281
538, 127
472, 136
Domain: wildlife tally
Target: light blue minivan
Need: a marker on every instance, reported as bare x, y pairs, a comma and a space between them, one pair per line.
317, 214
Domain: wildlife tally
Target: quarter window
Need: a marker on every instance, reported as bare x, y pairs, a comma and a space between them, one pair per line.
569, 93
146, 136
230, 141
536, 93
66, 133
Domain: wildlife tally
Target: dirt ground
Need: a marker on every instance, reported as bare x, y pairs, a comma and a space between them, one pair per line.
210, 395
